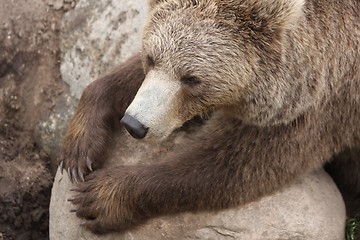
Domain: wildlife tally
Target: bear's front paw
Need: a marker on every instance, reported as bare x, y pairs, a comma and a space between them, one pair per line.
107, 201
85, 143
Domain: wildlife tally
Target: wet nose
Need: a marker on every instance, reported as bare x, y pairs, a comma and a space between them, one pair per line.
134, 127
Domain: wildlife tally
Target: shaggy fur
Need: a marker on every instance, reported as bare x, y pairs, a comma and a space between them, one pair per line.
282, 79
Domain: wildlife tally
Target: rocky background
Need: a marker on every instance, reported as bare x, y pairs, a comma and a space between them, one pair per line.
30, 83
49, 51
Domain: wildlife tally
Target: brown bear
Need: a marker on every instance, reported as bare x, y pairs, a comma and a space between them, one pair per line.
281, 79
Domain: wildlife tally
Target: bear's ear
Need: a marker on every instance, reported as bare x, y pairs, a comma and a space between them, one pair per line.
153, 3
281, 13
268, 20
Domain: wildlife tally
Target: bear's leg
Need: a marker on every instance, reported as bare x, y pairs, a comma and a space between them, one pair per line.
225, 165
345, 169
101, 106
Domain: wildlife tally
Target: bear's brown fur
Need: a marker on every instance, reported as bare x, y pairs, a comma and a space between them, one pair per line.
281, 77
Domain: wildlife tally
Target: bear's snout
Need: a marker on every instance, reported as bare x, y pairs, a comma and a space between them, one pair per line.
134, 127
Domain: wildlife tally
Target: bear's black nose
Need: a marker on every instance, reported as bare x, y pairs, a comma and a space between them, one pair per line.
134, 127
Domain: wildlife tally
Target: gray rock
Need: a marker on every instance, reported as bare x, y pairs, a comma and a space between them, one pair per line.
56, 4
96, 36
49, 134
311, 208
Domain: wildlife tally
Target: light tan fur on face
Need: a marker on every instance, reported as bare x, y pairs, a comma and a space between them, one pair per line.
178, 54
155, 105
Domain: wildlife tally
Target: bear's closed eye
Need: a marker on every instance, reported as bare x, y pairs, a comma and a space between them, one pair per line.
190, 81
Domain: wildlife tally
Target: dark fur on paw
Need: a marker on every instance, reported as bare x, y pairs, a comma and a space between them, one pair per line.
106, 201
88, 136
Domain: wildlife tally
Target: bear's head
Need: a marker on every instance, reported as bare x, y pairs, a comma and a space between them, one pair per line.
204, 55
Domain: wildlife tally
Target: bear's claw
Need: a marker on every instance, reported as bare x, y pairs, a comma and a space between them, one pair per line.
79, 158
81, 175
61, 166
88, 163
76, 173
